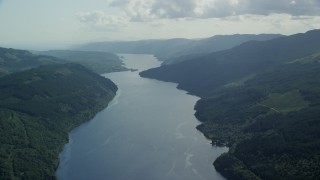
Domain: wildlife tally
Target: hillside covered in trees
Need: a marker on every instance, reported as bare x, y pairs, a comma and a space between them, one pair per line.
38, 107
99, 62
262, 100
13, 60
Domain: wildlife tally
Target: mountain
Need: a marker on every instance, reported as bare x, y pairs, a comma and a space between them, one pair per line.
262, 99
99, 62
38, 108
12, 60
213, 44
213, 70
170, 50
138, 47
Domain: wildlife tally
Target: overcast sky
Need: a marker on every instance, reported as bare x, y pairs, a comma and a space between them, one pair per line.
41, 24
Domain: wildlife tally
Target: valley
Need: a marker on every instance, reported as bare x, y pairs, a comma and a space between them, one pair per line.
256, 96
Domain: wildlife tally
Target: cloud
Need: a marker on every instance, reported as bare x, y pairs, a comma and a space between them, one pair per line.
136, 10
100, 21
147, 10
291, 7
159, 12
173, 9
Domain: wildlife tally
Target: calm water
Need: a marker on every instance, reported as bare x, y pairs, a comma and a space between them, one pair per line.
147, 133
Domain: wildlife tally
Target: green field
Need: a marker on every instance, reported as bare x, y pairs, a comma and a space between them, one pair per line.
286, 102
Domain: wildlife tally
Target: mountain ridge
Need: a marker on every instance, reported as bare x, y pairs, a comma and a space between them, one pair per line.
255, 54
262, 100
169, 49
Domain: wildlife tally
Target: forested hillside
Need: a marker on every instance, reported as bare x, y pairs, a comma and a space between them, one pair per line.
12, 60
213, 70
38, 108
263, 100
99, 62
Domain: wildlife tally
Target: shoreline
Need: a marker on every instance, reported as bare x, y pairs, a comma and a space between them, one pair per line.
82, 122
199, 145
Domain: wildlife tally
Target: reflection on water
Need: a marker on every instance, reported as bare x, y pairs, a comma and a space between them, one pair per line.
147, 133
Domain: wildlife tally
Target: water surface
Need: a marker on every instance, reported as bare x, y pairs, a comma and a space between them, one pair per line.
147, 133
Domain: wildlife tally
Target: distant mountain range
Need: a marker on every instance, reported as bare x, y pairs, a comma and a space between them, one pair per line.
216, 69
262, 99
170, 50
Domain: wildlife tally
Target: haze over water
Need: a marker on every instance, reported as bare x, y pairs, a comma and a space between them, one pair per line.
147, 132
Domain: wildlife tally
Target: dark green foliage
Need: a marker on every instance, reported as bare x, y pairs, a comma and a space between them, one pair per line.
12, 60
38, 108
270, 120
99, 62
229, 106
273, 145
233, 168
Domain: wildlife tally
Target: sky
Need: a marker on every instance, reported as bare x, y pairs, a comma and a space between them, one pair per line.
60, 24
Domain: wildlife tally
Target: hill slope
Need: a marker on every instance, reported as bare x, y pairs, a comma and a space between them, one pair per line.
99, 62
263, 100
213, 44
271, 122
38, 108
12, 60
216, 69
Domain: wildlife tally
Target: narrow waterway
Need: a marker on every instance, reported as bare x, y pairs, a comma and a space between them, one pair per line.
146, 133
